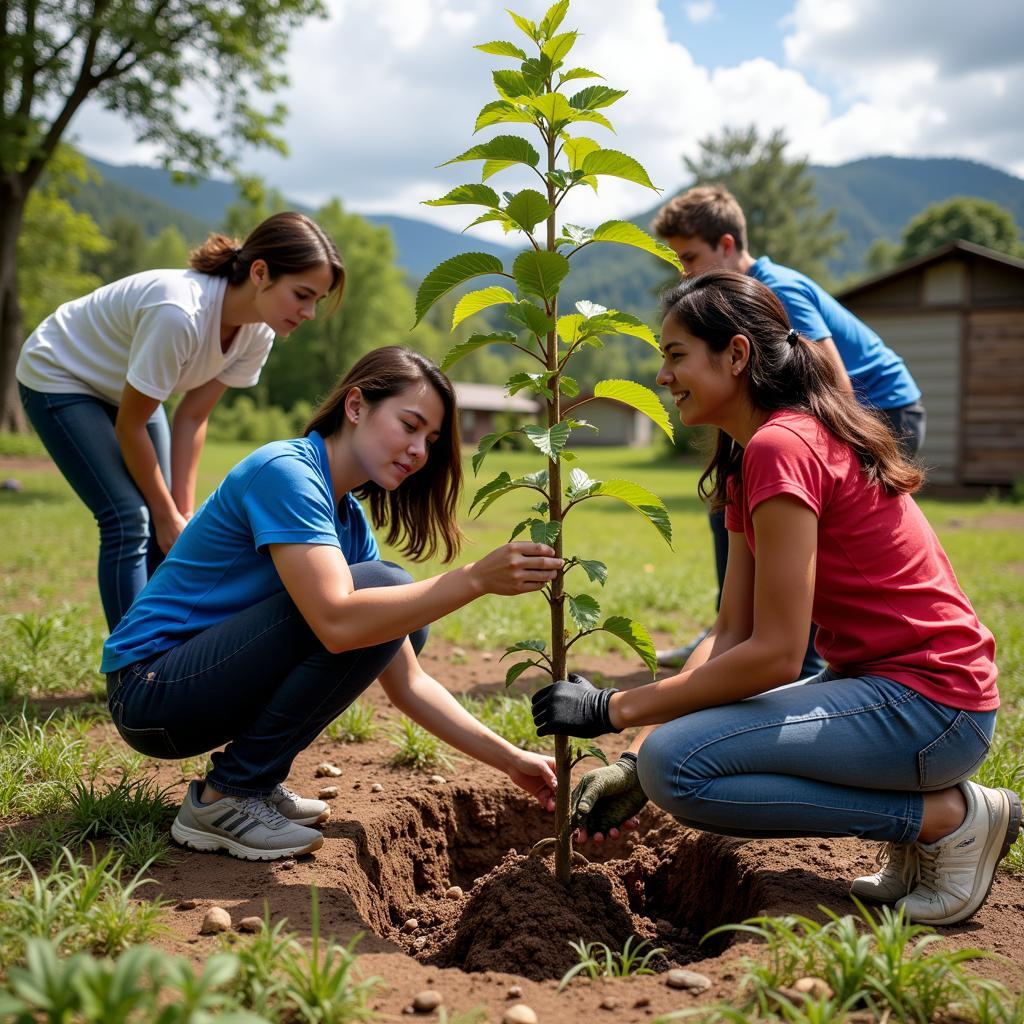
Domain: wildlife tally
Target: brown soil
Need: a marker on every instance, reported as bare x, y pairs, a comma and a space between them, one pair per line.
392, 855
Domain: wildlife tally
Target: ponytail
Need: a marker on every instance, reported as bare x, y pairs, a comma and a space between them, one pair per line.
287, 242
785, 371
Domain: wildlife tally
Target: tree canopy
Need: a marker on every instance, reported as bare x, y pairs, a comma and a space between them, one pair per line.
963, 217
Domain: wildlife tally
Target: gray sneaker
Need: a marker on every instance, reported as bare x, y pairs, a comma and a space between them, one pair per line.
300, 809
957, 871
675, 657
247, 827
897, 874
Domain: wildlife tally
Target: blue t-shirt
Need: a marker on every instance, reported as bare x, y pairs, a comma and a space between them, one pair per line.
879, 376
219, 566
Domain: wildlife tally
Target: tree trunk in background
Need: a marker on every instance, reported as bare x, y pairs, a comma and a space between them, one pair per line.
12, 209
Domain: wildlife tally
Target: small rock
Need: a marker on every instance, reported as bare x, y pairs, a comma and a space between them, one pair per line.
487, 656
327, 770
186, 905
642, 1002
376, 788
691, 980
328, 793
411, 925
816, 988
288, 865
453, 892
608, 1004
12, 484
250, 924
420, 941
216, 919
519, 1014
514, 992
437, 780
426, 1001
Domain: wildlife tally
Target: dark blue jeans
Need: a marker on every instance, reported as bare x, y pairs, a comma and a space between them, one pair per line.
260, 682
78, 432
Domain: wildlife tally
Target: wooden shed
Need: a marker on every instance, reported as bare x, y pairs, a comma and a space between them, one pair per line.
956, 316
480, 404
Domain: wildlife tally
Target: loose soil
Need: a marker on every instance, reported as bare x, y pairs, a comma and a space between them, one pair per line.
391, 856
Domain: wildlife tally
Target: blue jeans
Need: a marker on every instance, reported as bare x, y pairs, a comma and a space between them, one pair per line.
78, 432
829, 757
260, 682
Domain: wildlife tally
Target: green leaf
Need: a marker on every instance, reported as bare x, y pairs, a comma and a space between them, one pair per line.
590, 750
536, 71
495, 488
624, 233
614, 322
532, 317
597, 117
511, 85
553, 18
519, 668
558, 47
568, 386
595, 96
501, 112
537, 646
644, 501
569, 327
580, 483
573, 73
641, 398
485, 444
577, 149
528, 208
446, 276
502, 49
473, 302
577, 235
554, 108
473, 343
549, 442
617, 165
596, 571
525, 25
585, 611
545, 533
502, 484
466, 195
540, 273
634, 634
535, 381
504, 149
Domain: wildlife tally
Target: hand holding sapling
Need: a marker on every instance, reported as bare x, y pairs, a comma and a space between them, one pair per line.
573, 707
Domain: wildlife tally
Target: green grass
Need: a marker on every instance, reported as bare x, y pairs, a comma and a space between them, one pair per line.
416, 748
354, 725
510, 717
597, 960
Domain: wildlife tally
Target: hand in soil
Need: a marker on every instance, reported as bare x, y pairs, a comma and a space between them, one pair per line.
606, 799
535, 773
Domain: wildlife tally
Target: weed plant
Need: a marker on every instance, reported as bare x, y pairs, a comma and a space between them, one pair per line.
354, 725
597, 960
417, 748
510, 717
883, 965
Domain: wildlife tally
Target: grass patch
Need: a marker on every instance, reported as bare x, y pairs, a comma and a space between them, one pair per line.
510, 717
354, 725
597, 960
416, 748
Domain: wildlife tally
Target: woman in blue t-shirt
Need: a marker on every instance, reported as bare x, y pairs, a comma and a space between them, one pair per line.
273, 611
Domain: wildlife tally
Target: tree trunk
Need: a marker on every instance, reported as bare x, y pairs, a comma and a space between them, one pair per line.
12, 210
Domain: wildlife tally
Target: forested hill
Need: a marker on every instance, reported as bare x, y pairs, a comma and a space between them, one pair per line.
873, 198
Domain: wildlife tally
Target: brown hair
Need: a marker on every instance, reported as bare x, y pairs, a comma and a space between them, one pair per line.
796, 375
706, 212
287, 242
422, 512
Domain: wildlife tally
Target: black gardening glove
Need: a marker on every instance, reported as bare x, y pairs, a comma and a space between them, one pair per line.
606, 797
572, 707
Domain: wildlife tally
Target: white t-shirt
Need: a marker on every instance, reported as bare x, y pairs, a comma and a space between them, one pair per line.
158, 330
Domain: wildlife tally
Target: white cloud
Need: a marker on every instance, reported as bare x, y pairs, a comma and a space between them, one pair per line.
700, 10
385, 90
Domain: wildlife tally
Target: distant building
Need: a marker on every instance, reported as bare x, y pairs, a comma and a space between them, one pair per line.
956, 316
618, 425
479, 404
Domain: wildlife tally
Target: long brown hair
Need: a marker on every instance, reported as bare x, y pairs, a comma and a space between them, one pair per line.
716, 306
287, 242
422, 512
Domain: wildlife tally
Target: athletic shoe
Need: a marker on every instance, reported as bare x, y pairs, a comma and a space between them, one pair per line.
300, 809
247, 827
898, 874
957, 871
675, 657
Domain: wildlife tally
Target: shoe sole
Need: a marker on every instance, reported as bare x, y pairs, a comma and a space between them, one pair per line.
311, 822
990, 860
875, 895
207, 842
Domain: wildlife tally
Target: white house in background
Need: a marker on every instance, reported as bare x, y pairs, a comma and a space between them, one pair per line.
618, 425
480, 403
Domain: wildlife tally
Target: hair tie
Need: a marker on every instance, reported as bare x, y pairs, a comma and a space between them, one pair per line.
792, 337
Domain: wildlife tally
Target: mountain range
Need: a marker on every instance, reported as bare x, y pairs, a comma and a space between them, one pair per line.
873, 197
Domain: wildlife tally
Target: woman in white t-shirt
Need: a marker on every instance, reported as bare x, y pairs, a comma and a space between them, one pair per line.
94, 374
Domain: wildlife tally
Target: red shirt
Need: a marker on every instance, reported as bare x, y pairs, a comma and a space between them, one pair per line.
886, 600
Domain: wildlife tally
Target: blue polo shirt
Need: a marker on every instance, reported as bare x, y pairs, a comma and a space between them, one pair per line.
879, 376
219, 566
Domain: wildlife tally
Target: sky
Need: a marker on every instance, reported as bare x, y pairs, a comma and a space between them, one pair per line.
383, 91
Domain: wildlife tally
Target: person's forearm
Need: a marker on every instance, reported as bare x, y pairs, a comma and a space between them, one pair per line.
140, 458
187, 438
748, 668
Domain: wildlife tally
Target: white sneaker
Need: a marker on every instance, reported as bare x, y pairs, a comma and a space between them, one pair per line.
957, 871
896, 877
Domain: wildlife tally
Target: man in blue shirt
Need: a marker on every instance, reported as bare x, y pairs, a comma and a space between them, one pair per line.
706, 229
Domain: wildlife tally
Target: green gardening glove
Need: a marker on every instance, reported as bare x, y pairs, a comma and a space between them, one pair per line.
606, 797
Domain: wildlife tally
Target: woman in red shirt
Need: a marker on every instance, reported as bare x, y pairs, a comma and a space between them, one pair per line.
822, 527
